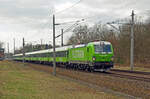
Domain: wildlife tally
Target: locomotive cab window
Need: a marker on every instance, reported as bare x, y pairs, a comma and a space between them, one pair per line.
102, 48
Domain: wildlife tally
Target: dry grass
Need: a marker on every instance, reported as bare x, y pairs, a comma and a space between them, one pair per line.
136, 68
19, 81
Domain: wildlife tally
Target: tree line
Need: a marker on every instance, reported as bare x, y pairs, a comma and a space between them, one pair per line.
30, 48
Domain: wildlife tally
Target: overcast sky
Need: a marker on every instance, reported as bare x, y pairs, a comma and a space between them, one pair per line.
32, 19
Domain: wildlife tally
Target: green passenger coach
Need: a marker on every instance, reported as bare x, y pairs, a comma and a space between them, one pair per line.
94, 56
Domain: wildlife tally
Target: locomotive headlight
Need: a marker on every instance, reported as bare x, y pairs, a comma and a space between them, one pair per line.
94, 58
112, 58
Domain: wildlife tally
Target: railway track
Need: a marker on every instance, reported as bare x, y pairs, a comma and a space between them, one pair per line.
133, 72
128, 76
133, 75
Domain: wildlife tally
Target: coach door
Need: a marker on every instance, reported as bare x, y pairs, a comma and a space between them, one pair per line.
88, 54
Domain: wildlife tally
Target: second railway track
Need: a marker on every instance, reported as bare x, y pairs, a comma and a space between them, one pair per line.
129, 76
132, 72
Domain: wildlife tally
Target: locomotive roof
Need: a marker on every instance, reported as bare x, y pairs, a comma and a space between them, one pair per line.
100, 42
17, 55
40, 51
64, 48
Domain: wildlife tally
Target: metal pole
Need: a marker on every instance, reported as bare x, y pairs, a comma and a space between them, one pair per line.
54, 54
41, 44
41, 41
23, 51
8, 50
132, 43
62, 37
32, 46
14, 46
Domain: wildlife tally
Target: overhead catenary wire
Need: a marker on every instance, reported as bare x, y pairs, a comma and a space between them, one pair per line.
70, 28
68, 7
63, 11
125, 20
117, 21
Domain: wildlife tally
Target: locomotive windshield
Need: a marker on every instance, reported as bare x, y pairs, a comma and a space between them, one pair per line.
102, 48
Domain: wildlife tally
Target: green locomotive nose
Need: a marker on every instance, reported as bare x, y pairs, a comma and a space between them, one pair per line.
103, 56
103, 53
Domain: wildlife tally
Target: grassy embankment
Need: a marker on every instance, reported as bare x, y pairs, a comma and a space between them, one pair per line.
21, 82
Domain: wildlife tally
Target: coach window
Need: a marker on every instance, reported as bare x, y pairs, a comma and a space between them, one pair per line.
47, 54
64, 53
40, 55
56, 54
61, 54
35, 55
50, 54
43, 55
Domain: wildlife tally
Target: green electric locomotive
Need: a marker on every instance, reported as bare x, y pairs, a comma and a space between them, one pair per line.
97, 56
94, 56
